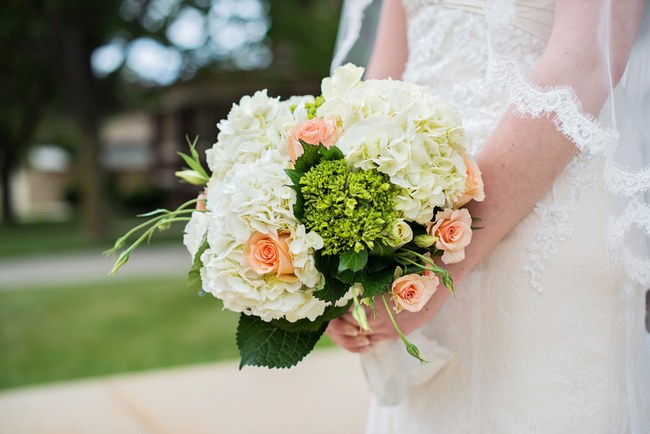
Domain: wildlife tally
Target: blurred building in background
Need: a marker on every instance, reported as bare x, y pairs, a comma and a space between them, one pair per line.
139, 148
155, 72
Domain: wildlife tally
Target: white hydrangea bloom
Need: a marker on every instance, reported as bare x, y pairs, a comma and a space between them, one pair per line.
341, 82
402, 131
257, 124
255, 197
194, 232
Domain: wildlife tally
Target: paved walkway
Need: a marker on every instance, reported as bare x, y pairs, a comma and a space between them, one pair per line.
91, 265
324, 394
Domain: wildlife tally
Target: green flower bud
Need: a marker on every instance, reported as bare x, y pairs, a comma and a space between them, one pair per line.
359, 314
121, 260
413, 351
192, 176
424, 241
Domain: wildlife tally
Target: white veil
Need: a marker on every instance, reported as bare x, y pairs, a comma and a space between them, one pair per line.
625, 146
356, 34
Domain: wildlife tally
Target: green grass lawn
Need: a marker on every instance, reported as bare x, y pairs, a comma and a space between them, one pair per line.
98, 329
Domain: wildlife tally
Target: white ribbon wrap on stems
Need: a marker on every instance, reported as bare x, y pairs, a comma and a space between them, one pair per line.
391, 372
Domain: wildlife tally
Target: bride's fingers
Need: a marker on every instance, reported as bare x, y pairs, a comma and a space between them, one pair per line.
347, 336
342, 326
354, 344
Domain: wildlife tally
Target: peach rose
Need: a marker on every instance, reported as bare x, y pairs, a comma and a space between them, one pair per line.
412, 291
454, 232
473, 183
266, 253
313, 131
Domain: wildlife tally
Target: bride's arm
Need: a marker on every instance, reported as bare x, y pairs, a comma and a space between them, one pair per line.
390, 50
523, 157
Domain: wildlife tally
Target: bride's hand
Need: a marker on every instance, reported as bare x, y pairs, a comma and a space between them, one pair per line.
346, 333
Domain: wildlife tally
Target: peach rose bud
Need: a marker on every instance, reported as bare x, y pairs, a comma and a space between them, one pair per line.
454, 232
412, 291
313, 131
201, 202
267, 253
473, 184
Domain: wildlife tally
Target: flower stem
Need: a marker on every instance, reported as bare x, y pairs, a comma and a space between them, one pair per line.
410, 347
432, 266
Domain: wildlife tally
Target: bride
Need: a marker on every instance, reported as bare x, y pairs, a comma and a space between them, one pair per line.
546, 333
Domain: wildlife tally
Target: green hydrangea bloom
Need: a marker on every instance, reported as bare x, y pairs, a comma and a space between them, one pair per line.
312, 107
349, 210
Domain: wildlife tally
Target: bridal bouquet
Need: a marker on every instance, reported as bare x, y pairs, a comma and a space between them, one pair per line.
316, 206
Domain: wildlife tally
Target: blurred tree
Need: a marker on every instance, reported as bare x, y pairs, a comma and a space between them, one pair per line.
25, 90
303, 33
46, 47
79, 57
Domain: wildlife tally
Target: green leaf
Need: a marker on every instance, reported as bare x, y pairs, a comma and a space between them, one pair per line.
308, 159
194, 275
193, 164
381, 249
193, 160
192, 146
349, 276
352, 260
294, 175
412, 269
267, 344
154, 212
331, 154
378, 263
334, 288
375, 283
299, 206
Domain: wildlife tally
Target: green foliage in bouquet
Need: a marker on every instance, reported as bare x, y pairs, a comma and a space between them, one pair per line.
162, 219
353, 211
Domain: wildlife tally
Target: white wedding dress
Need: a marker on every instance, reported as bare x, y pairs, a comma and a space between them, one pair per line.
548, 335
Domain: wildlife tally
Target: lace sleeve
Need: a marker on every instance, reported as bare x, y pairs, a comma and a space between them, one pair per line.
626, 150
